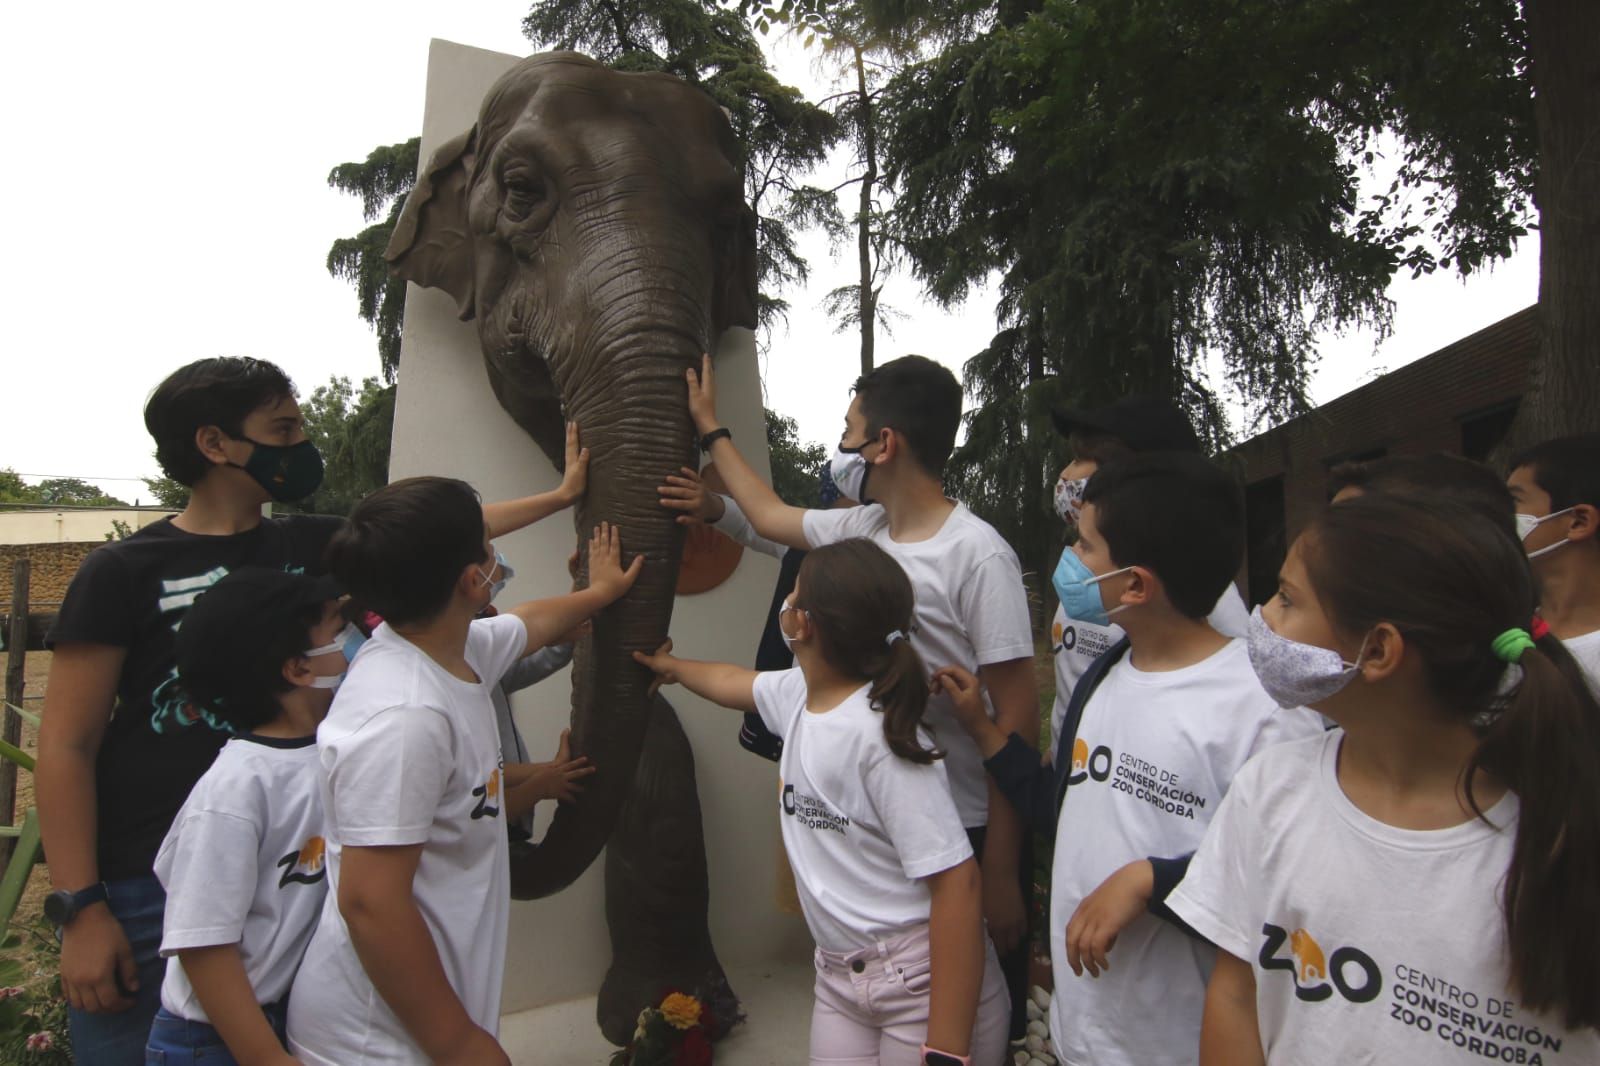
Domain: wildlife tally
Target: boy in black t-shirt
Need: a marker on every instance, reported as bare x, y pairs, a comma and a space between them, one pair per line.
119, 749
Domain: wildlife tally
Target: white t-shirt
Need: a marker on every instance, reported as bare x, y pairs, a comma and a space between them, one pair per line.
972, 610
410, 754
243, 864
1153, 757
1368, 943
861, 825
1586, 649
735, 524
1076, 644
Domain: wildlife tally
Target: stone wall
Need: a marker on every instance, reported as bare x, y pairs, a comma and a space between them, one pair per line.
53, 566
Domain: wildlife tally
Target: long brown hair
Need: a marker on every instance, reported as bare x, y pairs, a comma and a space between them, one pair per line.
1451, 582
859, 599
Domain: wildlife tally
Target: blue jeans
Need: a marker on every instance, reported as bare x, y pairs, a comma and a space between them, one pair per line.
176, 1041
118, 1039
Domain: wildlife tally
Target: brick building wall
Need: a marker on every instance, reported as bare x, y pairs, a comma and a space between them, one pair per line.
1460, 399
50, 571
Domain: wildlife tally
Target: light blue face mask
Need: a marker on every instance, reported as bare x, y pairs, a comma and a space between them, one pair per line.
1076, 584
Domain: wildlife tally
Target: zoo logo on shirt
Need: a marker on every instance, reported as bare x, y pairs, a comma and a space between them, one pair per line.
1133, 776
488, 795
1480, 1025
812, 813
306, 865
1089, 643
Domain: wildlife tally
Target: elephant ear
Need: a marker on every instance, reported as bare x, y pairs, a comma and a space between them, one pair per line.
735, 293
432, 244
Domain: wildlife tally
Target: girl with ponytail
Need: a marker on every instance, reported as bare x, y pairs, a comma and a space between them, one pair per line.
885, 873
1422, 883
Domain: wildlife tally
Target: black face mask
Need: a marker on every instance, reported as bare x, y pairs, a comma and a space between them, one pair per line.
287, 473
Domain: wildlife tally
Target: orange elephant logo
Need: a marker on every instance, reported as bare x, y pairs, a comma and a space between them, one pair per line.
1311, 965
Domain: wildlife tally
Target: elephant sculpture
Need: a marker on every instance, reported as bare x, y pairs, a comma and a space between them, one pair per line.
593, 224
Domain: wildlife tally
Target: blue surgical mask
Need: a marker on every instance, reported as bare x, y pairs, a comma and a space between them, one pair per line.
1077, 585
340, 643
503, 575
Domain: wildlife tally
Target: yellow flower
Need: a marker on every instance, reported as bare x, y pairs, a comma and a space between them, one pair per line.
683, 1012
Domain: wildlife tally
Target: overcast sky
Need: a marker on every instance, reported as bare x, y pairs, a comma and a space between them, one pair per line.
167, 200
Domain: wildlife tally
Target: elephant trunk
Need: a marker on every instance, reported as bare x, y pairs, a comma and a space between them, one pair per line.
634, 418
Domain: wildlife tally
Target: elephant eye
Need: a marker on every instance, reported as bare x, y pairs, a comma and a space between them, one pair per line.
525, 191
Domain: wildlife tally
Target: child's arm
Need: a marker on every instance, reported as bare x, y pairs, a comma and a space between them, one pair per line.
1013, 765
686, 492
508, 516
548, 619
1229, 1035
1014, 691
955, 951
722, 683
528, 783
772, 518
217, 975
96, 959
400, 958
1104, 913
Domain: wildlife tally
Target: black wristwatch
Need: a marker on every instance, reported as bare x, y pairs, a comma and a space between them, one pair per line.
63, 906
715, 435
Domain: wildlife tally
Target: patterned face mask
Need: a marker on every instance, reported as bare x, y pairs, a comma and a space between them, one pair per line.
1296, 674
1069, 498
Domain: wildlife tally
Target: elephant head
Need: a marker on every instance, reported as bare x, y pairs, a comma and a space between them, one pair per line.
593, 224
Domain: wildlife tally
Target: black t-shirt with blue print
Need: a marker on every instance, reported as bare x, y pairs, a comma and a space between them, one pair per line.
133, 594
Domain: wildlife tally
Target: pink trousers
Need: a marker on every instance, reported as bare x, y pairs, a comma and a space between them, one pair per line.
872, 1006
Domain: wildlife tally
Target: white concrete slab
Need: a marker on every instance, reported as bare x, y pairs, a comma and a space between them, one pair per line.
777, 1003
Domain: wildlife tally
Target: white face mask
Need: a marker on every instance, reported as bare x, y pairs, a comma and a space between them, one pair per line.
849, 470
788, 641
1527, 523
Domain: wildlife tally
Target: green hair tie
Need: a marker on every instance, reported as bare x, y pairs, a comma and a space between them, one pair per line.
1509, 646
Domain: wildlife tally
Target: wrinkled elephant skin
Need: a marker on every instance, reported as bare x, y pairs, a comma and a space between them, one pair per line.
593, 224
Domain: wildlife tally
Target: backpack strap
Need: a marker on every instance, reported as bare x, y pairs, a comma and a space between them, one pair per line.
1081, 692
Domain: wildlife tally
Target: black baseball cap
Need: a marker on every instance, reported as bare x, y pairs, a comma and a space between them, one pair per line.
1144, 423
245, 612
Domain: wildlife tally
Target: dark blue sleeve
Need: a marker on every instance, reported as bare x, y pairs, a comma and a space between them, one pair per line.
1168, 873
1025, 782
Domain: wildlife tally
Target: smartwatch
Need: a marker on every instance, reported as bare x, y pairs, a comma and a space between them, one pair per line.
932, 1057
715, 435
63, 906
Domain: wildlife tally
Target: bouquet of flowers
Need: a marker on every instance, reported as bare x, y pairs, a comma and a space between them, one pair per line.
676, 1032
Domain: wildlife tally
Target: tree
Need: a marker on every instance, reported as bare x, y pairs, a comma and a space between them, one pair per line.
353, 433
783, 135
1172, 188
382, 182
13, 489
863, 55
1564, 65
73, 492
796, 466
168, 492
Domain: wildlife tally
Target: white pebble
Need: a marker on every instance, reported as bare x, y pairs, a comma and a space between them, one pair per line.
1021, 1058
1040, 1062
1039, 1029
1034, 1042
1035, 1012
1040, 996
